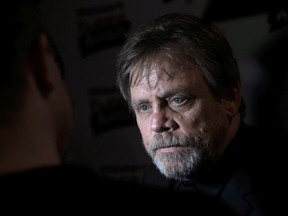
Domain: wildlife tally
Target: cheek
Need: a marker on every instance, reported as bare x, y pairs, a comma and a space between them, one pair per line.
199, 120
218, 115
216, 120
191, 120
145, 138
144, 128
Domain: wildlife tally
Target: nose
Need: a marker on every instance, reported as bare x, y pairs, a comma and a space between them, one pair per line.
162, 121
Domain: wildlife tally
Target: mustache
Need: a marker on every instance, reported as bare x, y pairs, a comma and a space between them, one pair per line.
168, 140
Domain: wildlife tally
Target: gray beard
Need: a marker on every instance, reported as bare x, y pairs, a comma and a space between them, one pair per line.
185, 161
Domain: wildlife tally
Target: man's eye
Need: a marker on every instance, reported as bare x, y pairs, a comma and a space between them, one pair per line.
177, 101
144, 107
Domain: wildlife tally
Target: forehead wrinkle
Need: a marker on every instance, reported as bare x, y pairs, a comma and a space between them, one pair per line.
150, 72
159, 63
150, 76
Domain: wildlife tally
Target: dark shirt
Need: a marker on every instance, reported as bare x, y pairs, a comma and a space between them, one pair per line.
246, 178
72, 188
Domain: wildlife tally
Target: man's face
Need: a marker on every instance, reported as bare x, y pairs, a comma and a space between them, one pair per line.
182, 124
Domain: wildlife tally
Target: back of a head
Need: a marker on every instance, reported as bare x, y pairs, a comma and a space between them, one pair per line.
32, 89
21, 25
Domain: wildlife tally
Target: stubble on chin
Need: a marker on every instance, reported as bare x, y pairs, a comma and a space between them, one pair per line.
177, 165
182, 161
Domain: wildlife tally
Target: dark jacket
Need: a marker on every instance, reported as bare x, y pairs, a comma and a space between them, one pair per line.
247, 178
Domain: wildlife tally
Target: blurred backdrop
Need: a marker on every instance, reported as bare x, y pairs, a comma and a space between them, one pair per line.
90, 33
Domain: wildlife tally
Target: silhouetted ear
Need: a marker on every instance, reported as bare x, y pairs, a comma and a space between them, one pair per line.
232, 102
39, 62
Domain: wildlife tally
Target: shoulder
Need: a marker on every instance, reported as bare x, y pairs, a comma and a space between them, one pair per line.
262, 157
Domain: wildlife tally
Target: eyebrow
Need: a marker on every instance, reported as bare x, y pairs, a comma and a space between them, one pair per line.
166, 94
178, 90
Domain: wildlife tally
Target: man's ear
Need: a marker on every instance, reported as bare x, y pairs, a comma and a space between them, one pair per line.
39, 62
233, 101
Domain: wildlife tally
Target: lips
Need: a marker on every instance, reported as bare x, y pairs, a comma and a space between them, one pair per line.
168, 149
